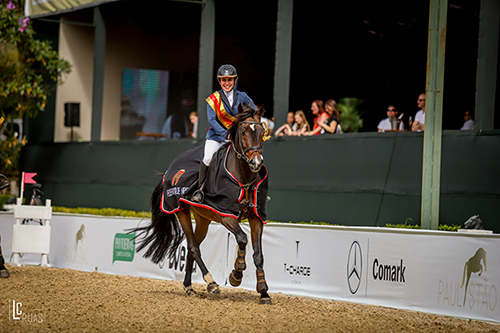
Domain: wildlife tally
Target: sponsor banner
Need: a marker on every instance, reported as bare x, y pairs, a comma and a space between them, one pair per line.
437, 272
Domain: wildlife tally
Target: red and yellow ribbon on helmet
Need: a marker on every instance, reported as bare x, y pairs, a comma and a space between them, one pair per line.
216, 104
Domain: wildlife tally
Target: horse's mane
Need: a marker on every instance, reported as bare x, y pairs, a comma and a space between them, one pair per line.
248, 112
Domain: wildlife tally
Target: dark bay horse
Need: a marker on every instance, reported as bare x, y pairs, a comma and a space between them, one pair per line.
243, 160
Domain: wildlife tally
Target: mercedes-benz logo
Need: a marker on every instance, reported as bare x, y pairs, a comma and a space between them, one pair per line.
354, 267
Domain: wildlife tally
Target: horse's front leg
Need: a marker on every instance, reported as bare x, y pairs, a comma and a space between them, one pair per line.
256, 227
240, 265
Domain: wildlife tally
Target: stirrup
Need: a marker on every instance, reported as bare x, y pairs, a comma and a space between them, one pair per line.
198, 196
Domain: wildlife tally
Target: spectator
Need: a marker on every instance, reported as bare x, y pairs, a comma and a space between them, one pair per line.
288, 128
386, 124
193, 118
419, 122
468, 121
318, 109
302, 124
332, 124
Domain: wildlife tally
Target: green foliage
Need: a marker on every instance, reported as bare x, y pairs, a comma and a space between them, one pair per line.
4, 198
403, 226
453, 227
350, 117
130, 213
29, 70
101, 211
441, 227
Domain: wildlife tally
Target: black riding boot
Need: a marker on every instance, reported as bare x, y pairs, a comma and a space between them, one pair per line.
198, 195
4, 273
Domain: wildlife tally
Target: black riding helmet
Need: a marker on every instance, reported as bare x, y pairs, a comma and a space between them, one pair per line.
227, 71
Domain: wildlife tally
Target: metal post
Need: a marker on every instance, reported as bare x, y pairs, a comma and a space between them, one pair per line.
98, 85
431, 177
487, 59
283, 60
205, 64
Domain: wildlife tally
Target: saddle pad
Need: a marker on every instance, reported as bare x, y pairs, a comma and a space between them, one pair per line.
223, 192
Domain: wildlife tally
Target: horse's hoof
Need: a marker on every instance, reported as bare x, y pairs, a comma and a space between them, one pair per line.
233, 280
190, 291
213, 288
4, 273
265, 301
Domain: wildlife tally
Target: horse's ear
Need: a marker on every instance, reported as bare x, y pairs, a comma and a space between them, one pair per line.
240, 108
261, 110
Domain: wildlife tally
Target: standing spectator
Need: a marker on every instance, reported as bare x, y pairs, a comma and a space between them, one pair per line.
318, 109
468, 121
302, 124
332, 124
386, 124
288, 128
419, 122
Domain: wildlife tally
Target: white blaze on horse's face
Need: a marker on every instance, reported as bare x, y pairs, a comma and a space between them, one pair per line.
256, 163
252, 145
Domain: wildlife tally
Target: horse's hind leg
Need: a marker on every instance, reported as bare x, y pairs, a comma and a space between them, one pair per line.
194, 254
256, 227
200, 232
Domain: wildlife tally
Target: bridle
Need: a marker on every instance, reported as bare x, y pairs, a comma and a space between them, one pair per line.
258, 149
246, 203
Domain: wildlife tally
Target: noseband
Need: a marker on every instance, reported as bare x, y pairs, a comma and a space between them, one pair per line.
243, 154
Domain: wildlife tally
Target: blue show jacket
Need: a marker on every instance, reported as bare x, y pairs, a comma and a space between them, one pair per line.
217, 131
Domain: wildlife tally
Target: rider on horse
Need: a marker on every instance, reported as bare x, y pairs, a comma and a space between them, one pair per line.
222, 107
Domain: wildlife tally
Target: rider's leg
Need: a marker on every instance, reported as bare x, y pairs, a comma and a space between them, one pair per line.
210, 148
198, 194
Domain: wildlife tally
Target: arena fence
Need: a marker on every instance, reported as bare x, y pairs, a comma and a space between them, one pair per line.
449, 273
357, 179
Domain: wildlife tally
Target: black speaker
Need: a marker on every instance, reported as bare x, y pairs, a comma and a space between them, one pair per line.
72, 114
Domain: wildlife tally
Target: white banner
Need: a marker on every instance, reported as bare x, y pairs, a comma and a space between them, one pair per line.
445, 273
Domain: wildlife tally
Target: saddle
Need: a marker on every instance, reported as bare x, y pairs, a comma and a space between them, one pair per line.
224, 193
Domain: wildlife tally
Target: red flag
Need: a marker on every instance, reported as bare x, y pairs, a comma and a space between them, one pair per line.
28, 177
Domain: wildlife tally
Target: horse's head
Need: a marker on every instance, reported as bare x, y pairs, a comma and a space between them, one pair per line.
247, 134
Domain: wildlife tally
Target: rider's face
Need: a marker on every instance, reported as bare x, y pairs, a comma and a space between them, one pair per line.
227, 83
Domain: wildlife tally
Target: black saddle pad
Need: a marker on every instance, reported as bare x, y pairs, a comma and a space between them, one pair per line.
223, 192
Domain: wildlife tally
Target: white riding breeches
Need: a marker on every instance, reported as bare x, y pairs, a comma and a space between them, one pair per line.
210, 148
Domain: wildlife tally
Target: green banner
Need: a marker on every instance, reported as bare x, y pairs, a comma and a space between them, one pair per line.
124, 247
36, 8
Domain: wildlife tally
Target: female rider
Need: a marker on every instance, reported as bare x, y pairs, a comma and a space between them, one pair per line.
222, 107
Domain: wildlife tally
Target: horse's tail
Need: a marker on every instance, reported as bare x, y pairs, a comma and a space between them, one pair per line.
163, 235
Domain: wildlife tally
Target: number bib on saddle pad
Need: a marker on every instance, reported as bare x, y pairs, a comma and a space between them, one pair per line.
223, 192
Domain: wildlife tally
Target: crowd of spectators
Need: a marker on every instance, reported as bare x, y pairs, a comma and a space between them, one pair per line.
327, 120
